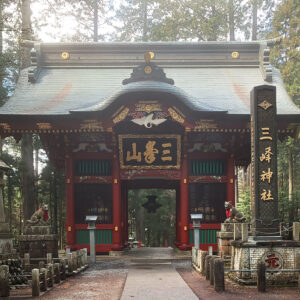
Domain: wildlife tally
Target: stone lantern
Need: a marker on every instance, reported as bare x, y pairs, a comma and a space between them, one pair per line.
6, 244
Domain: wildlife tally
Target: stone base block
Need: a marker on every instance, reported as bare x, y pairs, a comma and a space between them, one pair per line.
38, 245
277, 255
37, 230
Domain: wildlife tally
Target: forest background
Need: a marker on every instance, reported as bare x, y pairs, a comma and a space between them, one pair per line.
33, 181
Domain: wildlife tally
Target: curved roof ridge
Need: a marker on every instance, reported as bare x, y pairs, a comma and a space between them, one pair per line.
152, 86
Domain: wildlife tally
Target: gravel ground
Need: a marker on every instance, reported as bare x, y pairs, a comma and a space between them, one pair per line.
106, 280
103, 281
205, 291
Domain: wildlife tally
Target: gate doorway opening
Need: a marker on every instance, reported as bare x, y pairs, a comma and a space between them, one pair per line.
152, 214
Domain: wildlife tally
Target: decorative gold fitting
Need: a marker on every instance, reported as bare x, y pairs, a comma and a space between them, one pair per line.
115, 180
185, 228
69, 228
68, 180
231, 180
65, 55
148, 70
184, 180
235, 54
148, 56
116, 228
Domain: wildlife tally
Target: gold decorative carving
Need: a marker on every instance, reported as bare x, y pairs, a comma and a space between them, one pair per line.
235, 54
205, 124
140, 167
265, 105
175, 116
148, 70
148, 107
91, 124
122, 115
44, 125
5, 126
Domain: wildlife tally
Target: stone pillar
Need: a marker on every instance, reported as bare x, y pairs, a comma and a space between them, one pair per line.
43, 278
184, 205
116, 192
92, 244
219, 284
57, 273
35, 285
70, 263
4, 283
264, 189
296, 231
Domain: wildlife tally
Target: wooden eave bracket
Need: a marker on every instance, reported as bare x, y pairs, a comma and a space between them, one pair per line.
264, 62
34, 70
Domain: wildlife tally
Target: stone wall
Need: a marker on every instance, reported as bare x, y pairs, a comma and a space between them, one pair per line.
247, 256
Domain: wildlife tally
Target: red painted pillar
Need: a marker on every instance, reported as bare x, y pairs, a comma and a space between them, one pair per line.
70, 222
184, 205
178, 239
230, 181
116, 192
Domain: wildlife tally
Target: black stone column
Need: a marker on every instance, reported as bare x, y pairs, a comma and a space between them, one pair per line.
264, 191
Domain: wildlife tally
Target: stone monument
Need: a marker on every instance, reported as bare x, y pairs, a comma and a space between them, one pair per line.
266, 243
6, 239
38, 239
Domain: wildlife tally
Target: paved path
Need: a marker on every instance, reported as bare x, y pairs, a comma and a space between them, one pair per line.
152, 276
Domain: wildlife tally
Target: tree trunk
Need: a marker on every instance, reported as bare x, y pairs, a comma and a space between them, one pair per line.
96, 21
254, 20
291, 181
26, 32
28, 191
231, 20
145, 20
26, 144
139, 219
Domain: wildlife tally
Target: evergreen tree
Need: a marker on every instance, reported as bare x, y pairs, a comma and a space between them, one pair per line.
286, 55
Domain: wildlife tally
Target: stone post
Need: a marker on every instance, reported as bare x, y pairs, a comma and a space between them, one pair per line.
4, 283
70, 263
296, 231
237, 231
202, 262
211, 271
85, 256
78, 254
49, 258
74, 261
245, 233
43, 279
93, 245
35, 283
261, 276
63, 269
56, 273
27, 262
219, 284
50, 274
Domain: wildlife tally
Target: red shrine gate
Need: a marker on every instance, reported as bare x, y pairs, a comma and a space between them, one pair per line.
168, 157
113, 119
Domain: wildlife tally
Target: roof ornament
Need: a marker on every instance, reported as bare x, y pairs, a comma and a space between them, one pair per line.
147, 71
148, 121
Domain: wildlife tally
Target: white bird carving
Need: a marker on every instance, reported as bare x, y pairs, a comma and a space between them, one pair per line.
148, 121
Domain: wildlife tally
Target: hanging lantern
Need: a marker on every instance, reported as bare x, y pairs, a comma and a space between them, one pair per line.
151, 205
